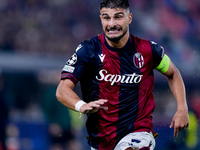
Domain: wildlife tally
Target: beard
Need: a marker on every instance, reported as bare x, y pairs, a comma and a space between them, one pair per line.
118, 38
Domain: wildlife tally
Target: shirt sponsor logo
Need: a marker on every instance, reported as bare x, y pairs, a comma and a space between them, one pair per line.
69, 68
114, 78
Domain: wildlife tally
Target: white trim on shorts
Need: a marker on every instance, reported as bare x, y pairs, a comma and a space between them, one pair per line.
136, 140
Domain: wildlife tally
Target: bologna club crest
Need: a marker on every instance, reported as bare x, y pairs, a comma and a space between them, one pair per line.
138, 60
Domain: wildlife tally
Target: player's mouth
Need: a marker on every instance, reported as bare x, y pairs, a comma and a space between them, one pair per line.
113, 30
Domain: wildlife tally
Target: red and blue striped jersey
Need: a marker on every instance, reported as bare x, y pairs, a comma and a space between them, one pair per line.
122, 76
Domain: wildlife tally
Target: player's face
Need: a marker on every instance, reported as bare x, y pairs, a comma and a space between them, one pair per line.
115, 23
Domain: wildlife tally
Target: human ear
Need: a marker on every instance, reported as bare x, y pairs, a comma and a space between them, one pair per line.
130, 16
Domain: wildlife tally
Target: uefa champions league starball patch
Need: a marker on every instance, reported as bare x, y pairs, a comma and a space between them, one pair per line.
72, 60
138, 60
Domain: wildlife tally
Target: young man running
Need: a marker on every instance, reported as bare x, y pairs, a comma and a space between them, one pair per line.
115, 70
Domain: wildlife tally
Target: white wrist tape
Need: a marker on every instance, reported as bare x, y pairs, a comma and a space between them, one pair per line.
79, 104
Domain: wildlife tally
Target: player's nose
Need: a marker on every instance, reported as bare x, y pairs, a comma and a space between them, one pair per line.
112, 23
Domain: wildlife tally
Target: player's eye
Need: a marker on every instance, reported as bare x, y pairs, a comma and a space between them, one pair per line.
118, 17
106, 17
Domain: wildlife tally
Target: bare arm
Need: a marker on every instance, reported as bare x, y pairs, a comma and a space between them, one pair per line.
180, 120
69, 98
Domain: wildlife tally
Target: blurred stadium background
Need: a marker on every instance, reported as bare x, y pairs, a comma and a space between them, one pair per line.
37, 37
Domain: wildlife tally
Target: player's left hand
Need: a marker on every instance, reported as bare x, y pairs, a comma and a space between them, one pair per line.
180, 121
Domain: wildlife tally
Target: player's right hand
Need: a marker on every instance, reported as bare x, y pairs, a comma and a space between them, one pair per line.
94, 106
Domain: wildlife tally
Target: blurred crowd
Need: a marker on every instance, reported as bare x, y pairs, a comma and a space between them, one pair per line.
45, 26
32, 118
57, 26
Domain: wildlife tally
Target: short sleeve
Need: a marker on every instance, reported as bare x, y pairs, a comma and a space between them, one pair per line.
74, 67
157, 53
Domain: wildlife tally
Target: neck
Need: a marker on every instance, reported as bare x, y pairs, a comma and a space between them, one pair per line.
119, 44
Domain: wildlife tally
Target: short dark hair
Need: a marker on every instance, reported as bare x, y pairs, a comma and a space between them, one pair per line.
114, 4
